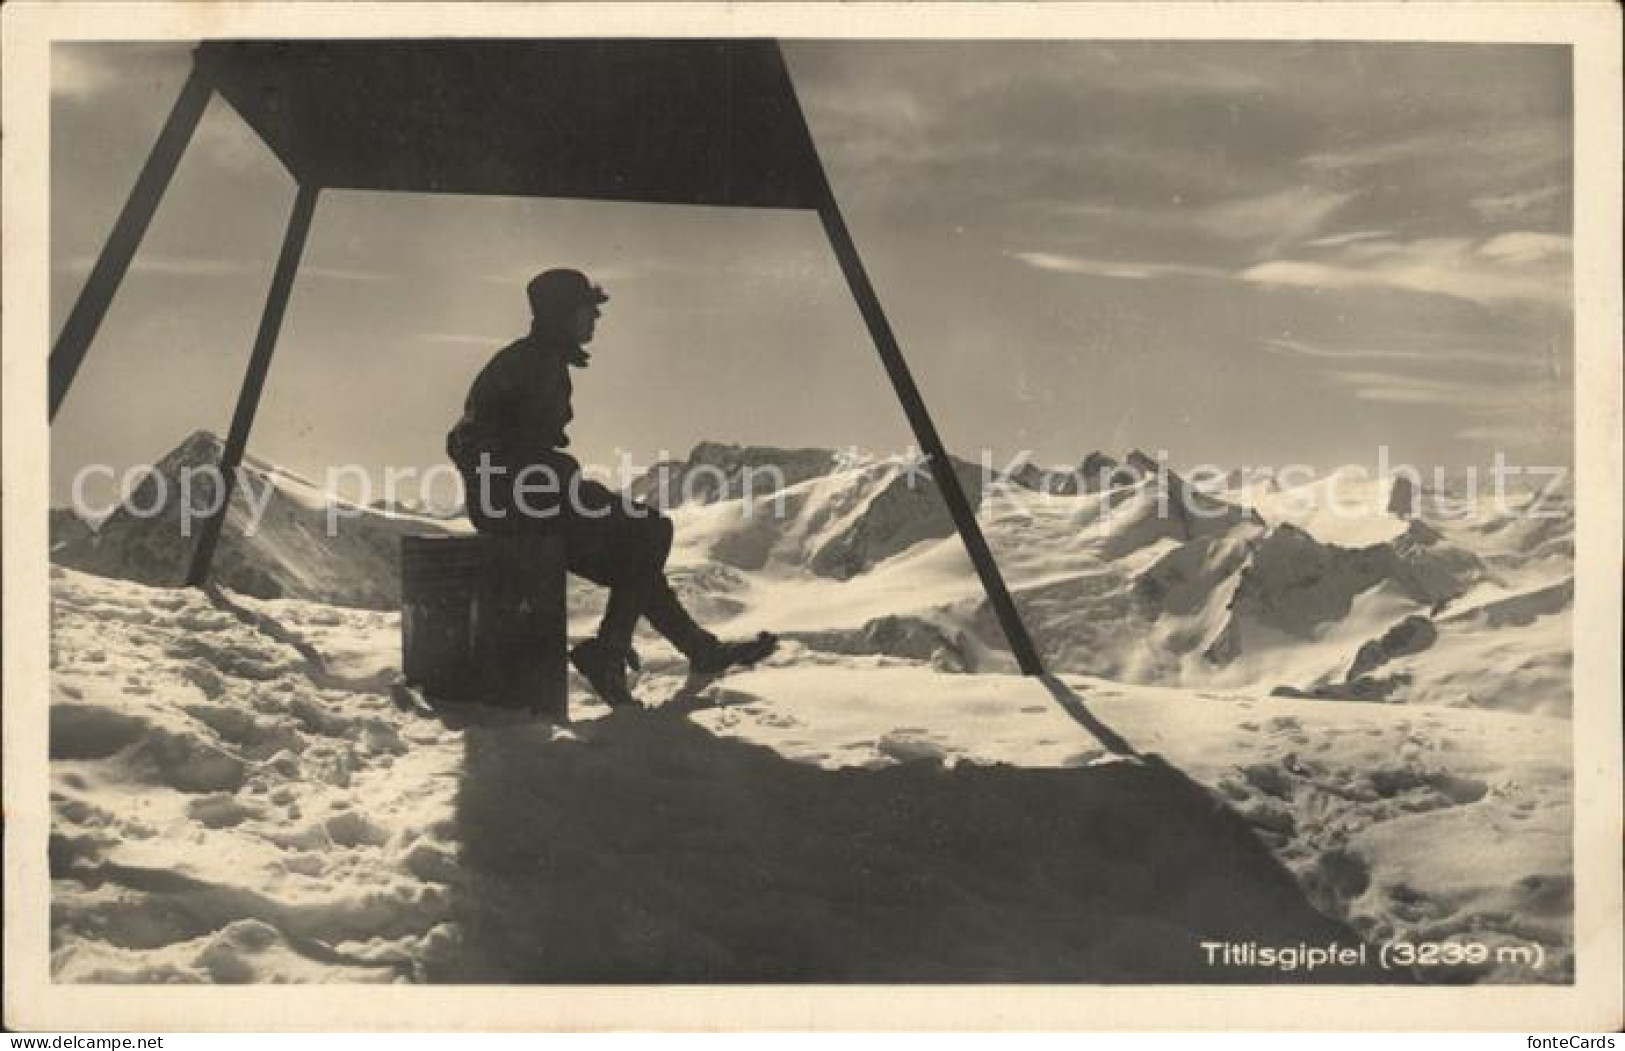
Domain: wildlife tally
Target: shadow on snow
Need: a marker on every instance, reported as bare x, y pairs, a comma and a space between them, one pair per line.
654, 851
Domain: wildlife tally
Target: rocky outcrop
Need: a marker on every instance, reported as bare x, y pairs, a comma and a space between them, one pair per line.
910, 637
1411, 635
1160, 505
1096, 468
1293, 583
1045, 480
1402, 497
906, 509
67, 528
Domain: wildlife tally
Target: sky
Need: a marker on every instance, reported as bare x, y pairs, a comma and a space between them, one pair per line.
1236, 253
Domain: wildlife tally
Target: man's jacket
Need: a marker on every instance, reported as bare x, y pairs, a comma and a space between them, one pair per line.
518, 406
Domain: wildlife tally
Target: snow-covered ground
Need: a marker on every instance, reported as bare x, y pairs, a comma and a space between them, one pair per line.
1371, 709
224, 809
218, 814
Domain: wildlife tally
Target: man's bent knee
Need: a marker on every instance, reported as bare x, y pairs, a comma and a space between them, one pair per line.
661, 531
652, 534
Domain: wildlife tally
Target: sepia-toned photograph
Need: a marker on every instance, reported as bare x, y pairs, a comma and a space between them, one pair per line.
750, 509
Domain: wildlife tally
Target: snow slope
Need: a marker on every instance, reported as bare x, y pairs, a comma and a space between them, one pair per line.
222, 813
291, 551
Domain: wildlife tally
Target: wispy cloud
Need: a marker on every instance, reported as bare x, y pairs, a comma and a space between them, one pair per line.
459, 339
1338, 240
1545, 431
1524, 267
167, 265
1518, 146
1515, 416
1499, 207
1524, 247
1432, 356
1520, 266
1408, 389
1405, 389
518, 276
340, 273
1278, 217
214, 267
1133, 271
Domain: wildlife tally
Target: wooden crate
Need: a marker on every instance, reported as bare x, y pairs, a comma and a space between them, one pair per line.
483, 619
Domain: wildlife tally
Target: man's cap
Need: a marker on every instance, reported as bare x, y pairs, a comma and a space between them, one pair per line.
556, 292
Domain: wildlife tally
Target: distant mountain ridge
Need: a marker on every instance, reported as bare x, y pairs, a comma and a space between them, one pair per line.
717, 471
290, 554
1133, 574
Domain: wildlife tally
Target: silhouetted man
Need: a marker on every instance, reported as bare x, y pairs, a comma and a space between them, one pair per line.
509, 445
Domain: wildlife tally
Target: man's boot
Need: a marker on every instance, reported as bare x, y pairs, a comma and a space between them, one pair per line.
718, 656
604, 668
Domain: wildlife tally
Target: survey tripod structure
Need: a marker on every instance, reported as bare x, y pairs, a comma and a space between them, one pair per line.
690, 122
